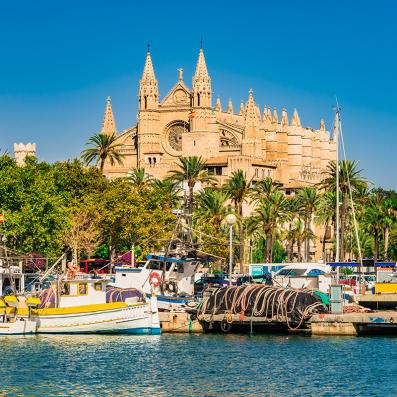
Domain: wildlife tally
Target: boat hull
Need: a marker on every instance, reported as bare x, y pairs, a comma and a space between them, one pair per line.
111, 318
19, 327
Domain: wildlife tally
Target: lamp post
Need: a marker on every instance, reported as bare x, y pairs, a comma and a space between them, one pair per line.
231, 220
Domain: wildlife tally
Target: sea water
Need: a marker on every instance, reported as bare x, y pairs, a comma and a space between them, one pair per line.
197, 365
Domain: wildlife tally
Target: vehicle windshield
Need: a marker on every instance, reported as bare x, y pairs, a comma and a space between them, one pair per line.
291, 272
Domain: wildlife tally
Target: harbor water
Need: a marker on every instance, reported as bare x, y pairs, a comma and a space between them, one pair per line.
197, 365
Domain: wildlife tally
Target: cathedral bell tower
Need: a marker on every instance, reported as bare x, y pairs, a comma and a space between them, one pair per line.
149, 153
203, 131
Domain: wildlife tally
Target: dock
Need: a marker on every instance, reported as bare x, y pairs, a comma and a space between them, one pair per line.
379, 322
178, 322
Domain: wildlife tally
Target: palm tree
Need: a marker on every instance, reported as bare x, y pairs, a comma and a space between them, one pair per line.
264, 188
211, 206
297, 233
269, 215
191, 170
325, 215
139, 178
103, 147
307, 199
349, 174
372, 221
169, 188
389, 209
238, 188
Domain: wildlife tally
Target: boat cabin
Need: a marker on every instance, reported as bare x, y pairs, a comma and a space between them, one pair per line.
179, 274
84, 291
6, 282
313, 276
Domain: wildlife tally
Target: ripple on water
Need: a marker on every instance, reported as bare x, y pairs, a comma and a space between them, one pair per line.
196, 366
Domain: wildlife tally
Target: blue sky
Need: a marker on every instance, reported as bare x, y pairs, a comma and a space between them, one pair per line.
61, 59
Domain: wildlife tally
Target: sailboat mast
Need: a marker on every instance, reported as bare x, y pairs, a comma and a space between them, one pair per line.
336, 137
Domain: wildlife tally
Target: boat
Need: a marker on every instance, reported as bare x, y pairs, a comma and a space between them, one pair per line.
81, 305
313, 276
172, 278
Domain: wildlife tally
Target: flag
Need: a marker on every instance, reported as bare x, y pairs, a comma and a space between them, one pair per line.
2, 218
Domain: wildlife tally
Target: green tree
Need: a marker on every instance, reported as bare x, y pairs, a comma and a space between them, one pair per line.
139, 178
191, 170
307, 200
211, 207
269, 216
349, 174
103, 147
238, 188
325, 215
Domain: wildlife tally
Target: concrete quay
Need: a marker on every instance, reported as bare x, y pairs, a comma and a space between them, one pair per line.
380, 322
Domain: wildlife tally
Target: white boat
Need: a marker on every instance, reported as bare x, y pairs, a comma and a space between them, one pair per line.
81, 307
177, 279
313, 276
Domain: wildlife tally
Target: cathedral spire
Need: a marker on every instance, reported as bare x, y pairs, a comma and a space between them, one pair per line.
230, 106
201, 67
148, 88
148, 70
108, 124
296, 121
201, 84
251, 111
322, 125
284, 117
242, 109
218, 105
275, 116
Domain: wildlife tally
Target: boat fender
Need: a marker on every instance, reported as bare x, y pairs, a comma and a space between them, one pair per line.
391, 321
225, 326
154, 279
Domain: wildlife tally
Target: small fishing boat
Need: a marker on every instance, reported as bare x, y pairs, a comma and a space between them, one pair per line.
82, 305
172, 278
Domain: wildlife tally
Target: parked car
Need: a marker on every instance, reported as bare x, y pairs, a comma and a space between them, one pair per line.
209, 280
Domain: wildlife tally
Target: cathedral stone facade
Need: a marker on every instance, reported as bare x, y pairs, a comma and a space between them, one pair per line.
185, 123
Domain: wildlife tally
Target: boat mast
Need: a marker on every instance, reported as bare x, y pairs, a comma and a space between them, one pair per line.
336, 138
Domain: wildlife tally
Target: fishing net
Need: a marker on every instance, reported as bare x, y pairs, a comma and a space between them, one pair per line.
273, 304
114, 294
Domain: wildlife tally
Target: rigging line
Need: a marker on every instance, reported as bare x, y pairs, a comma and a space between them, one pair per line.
351, 196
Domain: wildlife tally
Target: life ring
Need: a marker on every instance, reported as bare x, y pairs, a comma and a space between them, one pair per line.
154, 280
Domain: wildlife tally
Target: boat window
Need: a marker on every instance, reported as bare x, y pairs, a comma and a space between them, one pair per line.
291, 272
158, 265
65, 289
98, 286
179, 268
315, 272
82, 288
